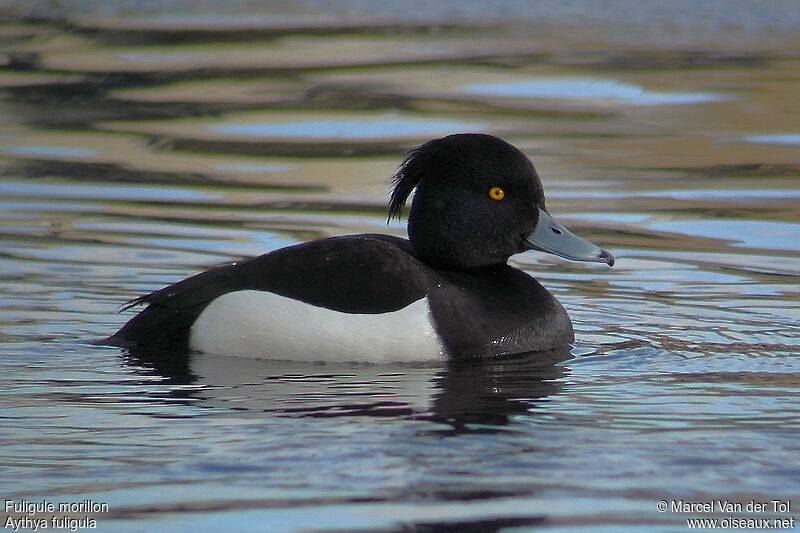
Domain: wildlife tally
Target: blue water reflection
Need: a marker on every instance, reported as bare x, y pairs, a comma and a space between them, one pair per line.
583, 88
778, 138
65, 151
348, 128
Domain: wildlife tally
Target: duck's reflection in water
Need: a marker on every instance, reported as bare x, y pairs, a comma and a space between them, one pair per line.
489, 393
474, 395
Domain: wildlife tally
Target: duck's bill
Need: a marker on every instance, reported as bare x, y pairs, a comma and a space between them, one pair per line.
550, 236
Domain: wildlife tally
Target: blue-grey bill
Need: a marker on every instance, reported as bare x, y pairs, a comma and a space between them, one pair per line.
550, 236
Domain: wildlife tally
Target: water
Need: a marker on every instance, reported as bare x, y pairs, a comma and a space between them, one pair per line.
579, 89
136, 150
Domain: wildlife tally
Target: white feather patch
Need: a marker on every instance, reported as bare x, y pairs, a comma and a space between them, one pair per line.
265, 325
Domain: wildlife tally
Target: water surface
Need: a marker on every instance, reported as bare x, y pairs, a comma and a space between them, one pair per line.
135, 151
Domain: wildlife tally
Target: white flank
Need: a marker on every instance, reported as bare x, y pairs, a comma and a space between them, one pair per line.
264, 325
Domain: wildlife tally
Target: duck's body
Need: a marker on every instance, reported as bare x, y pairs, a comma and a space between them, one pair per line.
355, 297
445, 292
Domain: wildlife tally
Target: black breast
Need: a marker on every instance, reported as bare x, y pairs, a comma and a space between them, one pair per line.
496, 311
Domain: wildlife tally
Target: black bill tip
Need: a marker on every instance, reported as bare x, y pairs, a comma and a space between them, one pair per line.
606, 257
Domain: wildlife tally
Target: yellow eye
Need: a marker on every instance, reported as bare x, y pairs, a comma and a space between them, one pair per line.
496, 193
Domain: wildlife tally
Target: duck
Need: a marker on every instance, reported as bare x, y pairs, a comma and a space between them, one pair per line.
446, 292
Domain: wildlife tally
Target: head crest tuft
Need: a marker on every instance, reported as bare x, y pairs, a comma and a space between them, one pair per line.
404, 180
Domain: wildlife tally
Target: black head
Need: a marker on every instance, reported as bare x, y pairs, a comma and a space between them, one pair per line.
477, 200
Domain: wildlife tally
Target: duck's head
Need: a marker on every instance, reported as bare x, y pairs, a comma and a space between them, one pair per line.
478, 202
